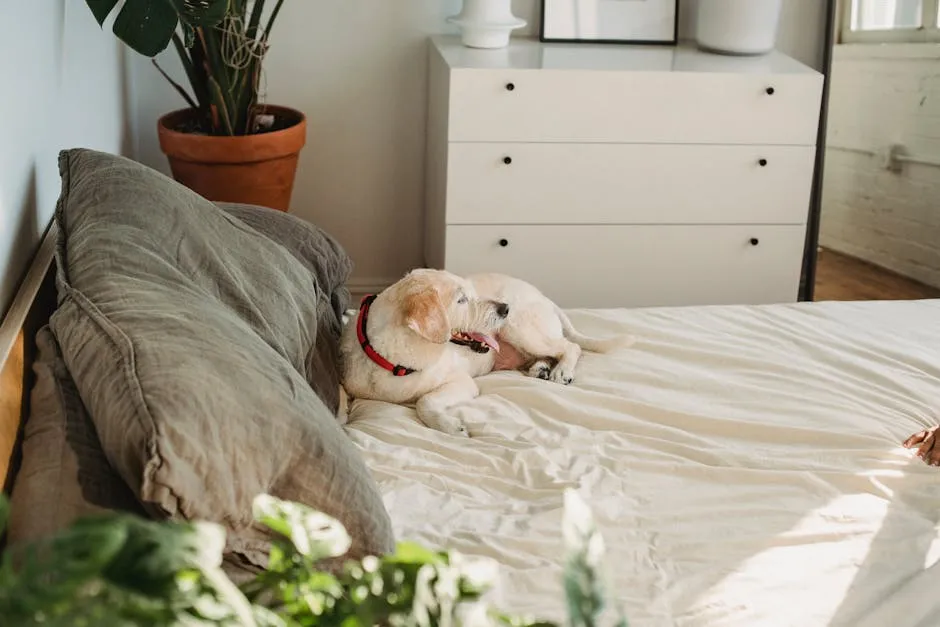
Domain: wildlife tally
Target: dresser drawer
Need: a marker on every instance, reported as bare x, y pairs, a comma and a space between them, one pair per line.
634, 266
638, 107
516, 183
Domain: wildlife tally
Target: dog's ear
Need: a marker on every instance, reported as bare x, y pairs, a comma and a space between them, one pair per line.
426, 315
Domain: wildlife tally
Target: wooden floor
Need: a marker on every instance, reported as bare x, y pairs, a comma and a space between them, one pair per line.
839, 277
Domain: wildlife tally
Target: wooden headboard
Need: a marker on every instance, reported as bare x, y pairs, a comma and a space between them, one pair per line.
32, 305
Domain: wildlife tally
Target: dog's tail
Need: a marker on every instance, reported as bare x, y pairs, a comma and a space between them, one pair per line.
593, 344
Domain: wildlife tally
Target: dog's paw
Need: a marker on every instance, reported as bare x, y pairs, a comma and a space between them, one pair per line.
444, 423
455, 427
541, 369
560, 374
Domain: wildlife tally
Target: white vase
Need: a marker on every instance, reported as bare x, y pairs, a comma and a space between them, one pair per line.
745, 27
486, 23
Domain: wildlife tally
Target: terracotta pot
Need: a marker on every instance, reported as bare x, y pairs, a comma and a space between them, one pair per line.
256, 169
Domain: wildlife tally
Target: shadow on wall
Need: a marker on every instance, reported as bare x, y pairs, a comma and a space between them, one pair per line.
128, 141
27, 233
68, 75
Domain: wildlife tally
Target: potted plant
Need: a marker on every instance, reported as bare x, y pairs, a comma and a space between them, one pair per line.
225, 145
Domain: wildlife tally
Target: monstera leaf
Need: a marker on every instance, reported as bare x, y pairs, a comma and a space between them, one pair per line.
147, 26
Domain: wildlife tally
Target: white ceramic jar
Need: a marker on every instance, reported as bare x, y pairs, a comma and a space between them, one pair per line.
744, 27
486, 23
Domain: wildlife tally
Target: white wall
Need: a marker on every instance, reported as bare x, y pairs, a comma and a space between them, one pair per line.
882, 95
63, 87
358, 69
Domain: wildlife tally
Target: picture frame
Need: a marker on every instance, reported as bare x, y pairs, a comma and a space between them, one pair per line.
642, 22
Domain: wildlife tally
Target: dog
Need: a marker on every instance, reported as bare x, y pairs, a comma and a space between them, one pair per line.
427, 337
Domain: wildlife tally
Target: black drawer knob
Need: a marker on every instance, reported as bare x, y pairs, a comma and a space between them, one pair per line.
763, 163
754, 241
510, 86
771, 91
504, 242
507, 160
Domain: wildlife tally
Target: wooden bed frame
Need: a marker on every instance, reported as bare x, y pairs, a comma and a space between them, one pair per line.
32, 305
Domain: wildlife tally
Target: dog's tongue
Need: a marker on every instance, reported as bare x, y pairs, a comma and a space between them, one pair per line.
486, 340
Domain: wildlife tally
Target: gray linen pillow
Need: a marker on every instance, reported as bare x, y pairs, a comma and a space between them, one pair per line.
64, 474
187, 334
330, 266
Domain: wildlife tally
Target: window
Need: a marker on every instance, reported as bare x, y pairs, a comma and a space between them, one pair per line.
885, 21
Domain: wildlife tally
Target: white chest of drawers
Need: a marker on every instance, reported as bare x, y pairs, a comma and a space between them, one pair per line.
616, 176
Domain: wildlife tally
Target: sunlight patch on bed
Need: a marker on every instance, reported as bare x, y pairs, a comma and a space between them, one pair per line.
815, 560
933, 552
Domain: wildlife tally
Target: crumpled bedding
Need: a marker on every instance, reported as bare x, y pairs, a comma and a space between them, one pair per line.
742, 462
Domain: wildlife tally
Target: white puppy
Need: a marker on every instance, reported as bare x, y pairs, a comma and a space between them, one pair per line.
424, 339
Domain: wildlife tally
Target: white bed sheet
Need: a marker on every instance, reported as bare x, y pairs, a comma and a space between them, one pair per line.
743, 463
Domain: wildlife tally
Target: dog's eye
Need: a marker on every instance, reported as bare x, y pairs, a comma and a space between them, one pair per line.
462, 300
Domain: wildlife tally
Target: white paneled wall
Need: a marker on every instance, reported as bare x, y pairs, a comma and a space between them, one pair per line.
883, 95
358, 69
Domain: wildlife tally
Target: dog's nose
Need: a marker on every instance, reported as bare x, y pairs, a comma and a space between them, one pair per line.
502, 310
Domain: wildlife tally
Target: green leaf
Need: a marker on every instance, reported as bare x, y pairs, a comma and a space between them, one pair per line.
90, 545
189, 35
255, 19
101, 9
179, 88
274, 14
314, 534
201, 12
146, 25
584, 589
154, 553
4, 512
220, 113
324, 582
222, 107
231, 600
192, 73
412, 553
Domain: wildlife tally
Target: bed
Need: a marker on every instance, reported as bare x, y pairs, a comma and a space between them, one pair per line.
743, 463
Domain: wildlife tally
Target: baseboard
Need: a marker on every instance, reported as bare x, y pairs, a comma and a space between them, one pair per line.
368, 285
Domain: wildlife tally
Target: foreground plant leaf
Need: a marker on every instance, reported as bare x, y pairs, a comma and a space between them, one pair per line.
584, 546
123, 570
119, 570
313, 534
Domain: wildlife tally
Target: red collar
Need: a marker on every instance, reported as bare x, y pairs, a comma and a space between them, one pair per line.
361, 321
